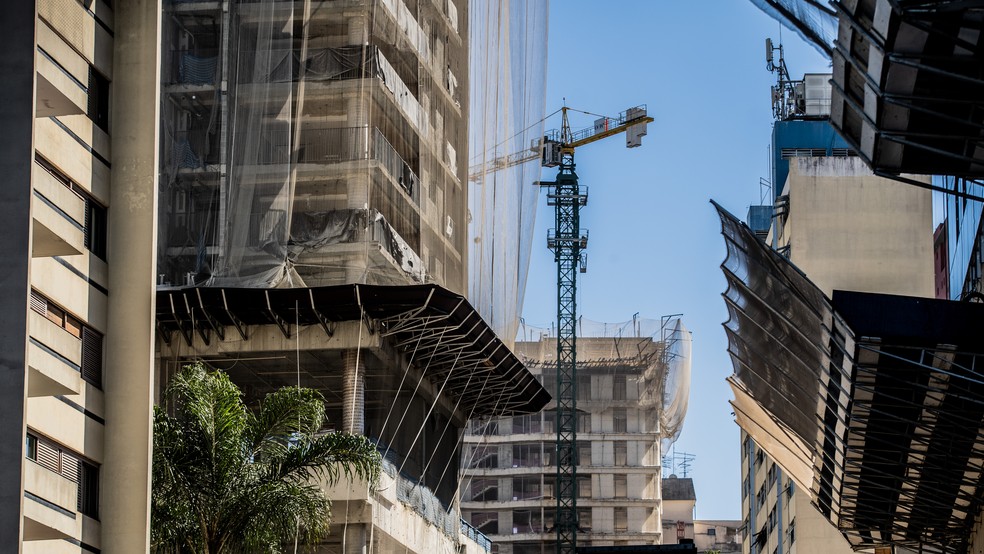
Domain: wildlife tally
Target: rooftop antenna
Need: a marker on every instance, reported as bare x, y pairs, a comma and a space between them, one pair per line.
784, 91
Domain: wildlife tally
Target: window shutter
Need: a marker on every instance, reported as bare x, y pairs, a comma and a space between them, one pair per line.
69, 466
47, 456
39, 303
92, 356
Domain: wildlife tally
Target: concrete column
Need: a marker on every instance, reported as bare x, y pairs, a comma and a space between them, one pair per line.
355, 539
354, 395
128, 376
17, 42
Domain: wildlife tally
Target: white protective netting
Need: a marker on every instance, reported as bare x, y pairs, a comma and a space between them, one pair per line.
508, 76
813, 20
655, 355
317, 142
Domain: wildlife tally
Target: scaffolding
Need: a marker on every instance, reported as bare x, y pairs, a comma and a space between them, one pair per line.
316, 143
632, 386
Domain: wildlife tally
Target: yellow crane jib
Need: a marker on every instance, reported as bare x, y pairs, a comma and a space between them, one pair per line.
632, 122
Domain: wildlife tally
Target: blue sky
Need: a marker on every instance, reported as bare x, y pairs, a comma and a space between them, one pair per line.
655, 244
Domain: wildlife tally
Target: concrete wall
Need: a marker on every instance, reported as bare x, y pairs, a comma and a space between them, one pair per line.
17, 107
848, 229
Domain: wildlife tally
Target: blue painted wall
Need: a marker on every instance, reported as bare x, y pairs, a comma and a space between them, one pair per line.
800, 133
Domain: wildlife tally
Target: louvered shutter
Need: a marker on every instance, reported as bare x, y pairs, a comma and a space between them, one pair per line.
48, 456
92, 356
39, 303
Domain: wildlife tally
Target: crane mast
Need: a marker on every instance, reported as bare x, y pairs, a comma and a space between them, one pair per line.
567, 241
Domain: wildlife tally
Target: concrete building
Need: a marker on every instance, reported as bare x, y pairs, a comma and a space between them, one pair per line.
161, 156
845, 229
679, 503
79, 109
508, 468
718, 536
902, 364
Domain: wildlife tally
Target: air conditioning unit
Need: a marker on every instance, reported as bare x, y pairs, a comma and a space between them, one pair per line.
449, 228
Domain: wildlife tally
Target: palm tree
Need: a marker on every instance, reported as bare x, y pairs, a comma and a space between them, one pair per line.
226, 480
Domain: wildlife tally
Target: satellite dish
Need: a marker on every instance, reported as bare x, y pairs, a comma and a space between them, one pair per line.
768, 50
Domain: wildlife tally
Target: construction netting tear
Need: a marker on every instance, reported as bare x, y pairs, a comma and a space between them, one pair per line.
314, 143
642, 362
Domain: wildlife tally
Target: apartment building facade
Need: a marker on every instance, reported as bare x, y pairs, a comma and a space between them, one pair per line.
508, 466
80, 114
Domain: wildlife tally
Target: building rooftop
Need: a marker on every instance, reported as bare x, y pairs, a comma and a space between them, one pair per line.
679, 488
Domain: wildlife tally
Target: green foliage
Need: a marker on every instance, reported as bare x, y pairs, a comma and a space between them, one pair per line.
229, 481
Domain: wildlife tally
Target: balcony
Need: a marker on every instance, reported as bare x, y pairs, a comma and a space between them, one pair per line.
49, 504
54, 359
56, 213
58, 92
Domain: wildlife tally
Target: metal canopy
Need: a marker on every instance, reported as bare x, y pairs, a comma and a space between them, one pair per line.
884, 392
441, 327
908, 85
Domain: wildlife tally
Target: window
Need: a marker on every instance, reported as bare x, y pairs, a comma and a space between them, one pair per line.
548, 487
792, 531
527, 455
486, 522
484, 457
98, 109
484, 428
69, 465
584, 486
621, 519
96, 224
88, 501
621, 486
584, 387
527, 521
92, 340
621, 453
711, 532
620, 420
526, 424
549, 420
584, 453
526, 488
619, 392
584, 518
484, 490
583, 422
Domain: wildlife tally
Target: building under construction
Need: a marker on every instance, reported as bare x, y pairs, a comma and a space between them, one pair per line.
314, 228
633, 382
276, 188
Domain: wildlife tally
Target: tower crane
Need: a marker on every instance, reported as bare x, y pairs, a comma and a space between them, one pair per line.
567, 241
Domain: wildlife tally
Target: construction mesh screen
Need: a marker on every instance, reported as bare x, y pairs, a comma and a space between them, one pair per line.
813, 20
316, 142
645, 359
